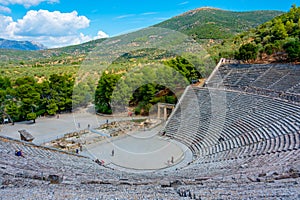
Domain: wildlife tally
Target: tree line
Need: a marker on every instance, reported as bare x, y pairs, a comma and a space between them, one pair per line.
145, 87
26, 99
278, 35
278, 38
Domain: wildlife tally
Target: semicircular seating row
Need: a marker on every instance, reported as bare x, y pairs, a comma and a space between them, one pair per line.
220, 124
276, 80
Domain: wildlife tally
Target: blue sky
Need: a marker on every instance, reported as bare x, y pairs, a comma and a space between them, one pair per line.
64, 22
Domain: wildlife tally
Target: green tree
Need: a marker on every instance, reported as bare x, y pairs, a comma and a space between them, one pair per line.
52, 107
4, 83
29, 99
279, 32
25, 80
81, 95
184, 67
104, 92
45, 97
31, 116
13, 110
247, 52
61, 87
269, 49
292, 48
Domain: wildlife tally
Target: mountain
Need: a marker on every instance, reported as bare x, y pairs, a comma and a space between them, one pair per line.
212, 23
20, 45
202, 23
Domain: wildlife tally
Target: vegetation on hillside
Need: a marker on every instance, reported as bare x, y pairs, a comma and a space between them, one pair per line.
141, 88
204, 23
210, 23
26, 99
35, 83
275, 40
70, 55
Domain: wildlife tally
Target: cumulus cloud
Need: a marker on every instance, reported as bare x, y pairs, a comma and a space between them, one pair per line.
52, 29
5, 21
26, 3
45, 23
100, 35
59, 41
5, 9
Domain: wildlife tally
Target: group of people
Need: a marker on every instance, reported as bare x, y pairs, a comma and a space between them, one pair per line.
99, 162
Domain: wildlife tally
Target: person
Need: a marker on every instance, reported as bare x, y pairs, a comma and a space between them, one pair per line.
19, 153
97, 161
102, 162
221, 139
89, 126
77, 151
107, 121
172, 159
113, 152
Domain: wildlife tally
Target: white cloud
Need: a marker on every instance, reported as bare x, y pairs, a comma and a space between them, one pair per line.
60, 41
5, 9
100, 35
183, 3
149, 13
45, 23
5, 21
26, 3
124, 16
53, 29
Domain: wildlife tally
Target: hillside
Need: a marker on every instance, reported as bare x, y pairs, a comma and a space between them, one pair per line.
211, 23
202, 23
52, 72
277, 40
20, 45
64, 55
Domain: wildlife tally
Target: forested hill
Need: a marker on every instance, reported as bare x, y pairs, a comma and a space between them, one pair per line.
277, 40
211, 23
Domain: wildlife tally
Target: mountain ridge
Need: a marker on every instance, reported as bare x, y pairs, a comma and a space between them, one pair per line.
21, 45
193, 26
214, 23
